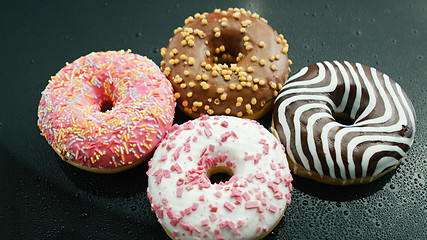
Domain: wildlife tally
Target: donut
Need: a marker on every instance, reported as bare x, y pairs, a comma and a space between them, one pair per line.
343, 123
107, 111
189, 205
228, 62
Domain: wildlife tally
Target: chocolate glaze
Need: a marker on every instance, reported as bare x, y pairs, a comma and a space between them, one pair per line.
252, 83
382, 132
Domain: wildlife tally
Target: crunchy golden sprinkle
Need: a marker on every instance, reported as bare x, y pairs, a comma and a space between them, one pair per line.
223, 96
253, 101
227, 111
177, 95
262, 62
273, 67
204, 21
191, 84
261, 44
239, 114
189, 94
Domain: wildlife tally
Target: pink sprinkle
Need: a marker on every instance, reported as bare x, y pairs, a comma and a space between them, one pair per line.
288, 198
178, 168
160, 213
163, 158
240, 223
175, 155
194, 206
250, 177
170, 146
180, 181
246, 196
261, 217
259, 175
212, 217
225, 136
252, 204
204, 151
188, 211
213, 208
272, 208
275, 145
166, 173
273, 166
265, 149
229, 206
248, 157
217, 232
208, 132
236, 232
211, 147
238, 201
223, 224
164, 201
236, 192
179, 191
224, 124
205, 222
202, 198
262, 141
189, 187
187, 147
273, 187
257, 158
218, 194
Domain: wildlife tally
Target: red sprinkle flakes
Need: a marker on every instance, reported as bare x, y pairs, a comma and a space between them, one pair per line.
179, 191
224, 124
252, 204
202, 198
272, 208
205, 222
213, 217
229, 206
240, 223
218, 194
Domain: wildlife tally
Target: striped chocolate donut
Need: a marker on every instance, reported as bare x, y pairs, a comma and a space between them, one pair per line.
343, 123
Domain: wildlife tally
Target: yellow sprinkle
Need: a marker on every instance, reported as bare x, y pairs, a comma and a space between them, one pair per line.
126, 147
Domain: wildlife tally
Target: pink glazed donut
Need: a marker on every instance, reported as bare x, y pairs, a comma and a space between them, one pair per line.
247, 206
107, 111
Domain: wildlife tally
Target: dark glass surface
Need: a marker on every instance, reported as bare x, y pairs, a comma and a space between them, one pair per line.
43, 197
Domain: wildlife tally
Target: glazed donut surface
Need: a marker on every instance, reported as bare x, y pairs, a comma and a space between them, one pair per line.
247, 206
106, 111
343, 123
228, 62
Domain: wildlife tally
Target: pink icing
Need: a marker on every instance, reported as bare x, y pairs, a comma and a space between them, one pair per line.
70, 117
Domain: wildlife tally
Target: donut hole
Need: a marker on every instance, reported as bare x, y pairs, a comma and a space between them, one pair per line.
343, 118
106, 105
219, 174
228, 49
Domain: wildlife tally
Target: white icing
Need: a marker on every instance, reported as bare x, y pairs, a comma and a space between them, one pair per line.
205, 140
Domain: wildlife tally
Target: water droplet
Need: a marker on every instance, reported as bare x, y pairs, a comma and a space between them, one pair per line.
351, 45
358, 33
84, 214
156, 50
138, 34
132, 208
32, 61
372, 20
420, 57
357, 20
393, 40
415, 31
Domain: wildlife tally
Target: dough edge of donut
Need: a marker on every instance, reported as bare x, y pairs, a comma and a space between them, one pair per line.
108, 170
299, 170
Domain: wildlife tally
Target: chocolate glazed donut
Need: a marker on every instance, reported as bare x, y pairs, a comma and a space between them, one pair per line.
343, 123
226, 63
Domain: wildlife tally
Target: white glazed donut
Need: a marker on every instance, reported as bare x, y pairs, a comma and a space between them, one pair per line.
247, 206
